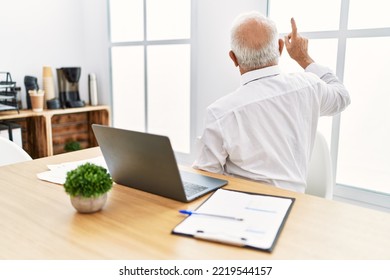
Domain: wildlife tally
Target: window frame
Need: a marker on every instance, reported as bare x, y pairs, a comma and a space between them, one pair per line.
356, 195
145, 43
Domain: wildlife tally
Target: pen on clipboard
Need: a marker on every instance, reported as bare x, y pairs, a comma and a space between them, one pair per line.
221, 238
188, 212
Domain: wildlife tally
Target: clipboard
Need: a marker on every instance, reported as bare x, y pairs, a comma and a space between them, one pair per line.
238, 218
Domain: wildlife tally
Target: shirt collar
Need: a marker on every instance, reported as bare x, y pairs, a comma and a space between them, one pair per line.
259, 74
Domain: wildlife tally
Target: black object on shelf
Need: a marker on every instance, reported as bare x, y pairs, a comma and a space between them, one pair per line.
8, 93
53, 104
31, 83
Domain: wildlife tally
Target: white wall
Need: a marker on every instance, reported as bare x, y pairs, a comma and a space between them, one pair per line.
59, 33
96, 46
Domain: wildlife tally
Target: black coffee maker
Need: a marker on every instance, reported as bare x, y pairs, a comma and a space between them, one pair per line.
68, 87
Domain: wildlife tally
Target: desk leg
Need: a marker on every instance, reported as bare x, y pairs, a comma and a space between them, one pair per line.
97, 117
37, 136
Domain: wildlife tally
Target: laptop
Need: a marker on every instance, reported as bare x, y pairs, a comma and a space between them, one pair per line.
147, 162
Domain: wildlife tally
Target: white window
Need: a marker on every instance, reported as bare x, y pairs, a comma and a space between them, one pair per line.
353, 38
150, 61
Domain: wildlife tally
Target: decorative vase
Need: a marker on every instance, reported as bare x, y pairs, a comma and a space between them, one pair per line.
88, 204
48, 83
93, 99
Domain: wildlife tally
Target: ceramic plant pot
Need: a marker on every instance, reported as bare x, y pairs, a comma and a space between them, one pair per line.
88, 204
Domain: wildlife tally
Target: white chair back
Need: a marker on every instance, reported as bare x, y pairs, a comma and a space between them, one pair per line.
320, 176
11, 152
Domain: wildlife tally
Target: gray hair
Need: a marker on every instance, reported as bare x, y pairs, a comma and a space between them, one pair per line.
247, 56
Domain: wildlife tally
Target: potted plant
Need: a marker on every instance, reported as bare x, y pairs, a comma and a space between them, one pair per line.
72, 146
87, 186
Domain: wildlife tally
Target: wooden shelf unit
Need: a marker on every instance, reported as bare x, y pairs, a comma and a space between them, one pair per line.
46, 133
8, 93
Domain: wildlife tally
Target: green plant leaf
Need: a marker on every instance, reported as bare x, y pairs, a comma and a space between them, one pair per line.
88, 180
72, 146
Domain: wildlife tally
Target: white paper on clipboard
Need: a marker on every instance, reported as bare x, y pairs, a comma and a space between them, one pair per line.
259, 219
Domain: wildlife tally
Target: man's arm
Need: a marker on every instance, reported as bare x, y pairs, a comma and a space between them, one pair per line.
335, 97
211, 154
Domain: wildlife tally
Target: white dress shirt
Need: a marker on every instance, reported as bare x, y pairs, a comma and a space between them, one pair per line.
265, 130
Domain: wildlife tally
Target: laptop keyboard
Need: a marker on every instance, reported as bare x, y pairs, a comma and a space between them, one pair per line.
192, 189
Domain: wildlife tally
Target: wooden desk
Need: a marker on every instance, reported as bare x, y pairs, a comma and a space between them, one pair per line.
45, 136
38, 222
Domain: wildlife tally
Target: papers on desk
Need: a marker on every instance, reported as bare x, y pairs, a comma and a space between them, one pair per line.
245, 219
57, 172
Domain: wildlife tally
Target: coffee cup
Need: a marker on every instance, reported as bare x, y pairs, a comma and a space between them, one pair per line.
37, 100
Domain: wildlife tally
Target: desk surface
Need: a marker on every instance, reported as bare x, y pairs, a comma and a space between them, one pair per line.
38, 222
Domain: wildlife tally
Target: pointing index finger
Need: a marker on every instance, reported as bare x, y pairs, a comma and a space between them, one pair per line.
293, 28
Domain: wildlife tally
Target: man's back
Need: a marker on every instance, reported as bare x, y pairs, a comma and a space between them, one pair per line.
268, 125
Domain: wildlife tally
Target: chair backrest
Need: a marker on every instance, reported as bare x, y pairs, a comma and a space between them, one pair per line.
320, 176
11, 152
